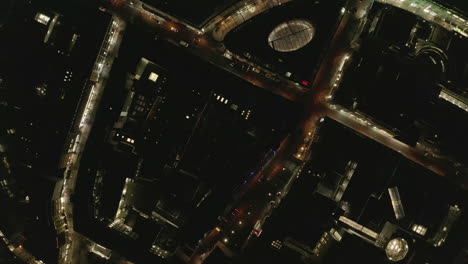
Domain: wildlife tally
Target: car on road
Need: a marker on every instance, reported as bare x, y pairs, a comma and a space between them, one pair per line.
183, 43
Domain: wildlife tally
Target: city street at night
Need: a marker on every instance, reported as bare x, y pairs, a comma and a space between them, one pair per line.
234, 131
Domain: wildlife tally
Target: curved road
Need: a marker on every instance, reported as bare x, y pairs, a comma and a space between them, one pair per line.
206, 47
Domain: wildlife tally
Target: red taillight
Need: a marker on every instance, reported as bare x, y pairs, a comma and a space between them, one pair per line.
257, 232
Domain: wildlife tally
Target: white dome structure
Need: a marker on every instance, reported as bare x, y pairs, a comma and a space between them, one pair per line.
292, 35
397, 249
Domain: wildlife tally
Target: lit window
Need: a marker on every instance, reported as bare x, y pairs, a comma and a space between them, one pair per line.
153, 77
419, 229
43, 19
277, 244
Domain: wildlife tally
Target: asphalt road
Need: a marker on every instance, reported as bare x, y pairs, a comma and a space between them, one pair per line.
72, 250
265, 191
203, 45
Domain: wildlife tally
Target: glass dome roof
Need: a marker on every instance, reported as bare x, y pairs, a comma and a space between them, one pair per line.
291, 35
397, 249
